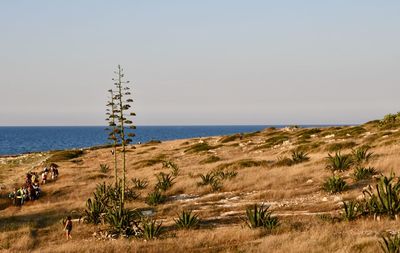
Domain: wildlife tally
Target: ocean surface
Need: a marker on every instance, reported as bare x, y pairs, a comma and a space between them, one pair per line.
18, 140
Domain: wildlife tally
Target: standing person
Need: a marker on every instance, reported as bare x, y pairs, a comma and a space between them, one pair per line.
68, 228
44, 177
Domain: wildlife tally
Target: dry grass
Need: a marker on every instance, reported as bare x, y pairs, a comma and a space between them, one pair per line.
294, 193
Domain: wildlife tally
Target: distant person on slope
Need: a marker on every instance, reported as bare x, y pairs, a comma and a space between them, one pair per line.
68, 227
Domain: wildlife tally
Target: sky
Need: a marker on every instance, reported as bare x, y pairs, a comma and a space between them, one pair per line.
208, 62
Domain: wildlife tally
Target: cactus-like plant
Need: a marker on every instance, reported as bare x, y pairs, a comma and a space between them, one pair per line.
390, 243
207, 179
351, 210
334, 184
154, 198
299, 156
122, 221
187, 220
151, 229
139, 183
104, 168
165, 181
361, 173
172, 166
362, 155
386, 200
339, 162
260, 216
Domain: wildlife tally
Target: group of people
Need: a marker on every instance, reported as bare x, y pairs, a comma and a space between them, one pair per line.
30, 190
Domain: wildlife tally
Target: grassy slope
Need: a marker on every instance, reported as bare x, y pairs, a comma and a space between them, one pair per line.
294, 193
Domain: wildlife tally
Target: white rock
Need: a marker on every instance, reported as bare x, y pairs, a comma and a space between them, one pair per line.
329, 136
324, 199
309, 181
338, 199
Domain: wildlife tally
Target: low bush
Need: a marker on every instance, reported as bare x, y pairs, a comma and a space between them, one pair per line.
200, 147
361, 173
230, 138
59, 156
334, 184
172, 166
155, 198
339, 146
210, 159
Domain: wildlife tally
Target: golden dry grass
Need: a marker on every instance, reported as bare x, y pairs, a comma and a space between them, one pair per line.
294, 193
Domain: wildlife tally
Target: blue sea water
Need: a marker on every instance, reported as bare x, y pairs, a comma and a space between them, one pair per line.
17, 140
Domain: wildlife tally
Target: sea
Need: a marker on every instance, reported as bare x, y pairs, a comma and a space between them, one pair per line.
20, 140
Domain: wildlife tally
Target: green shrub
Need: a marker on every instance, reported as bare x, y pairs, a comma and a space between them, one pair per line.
155, 198
59, 156
210, 159
139, 183
334, 184
230, 138
200, 147
339, 162
283, 161
361, 173
104, 168
390, 243
339, 146
151, 229
362, 155
259, 216
187, 220
299, 156
165, 181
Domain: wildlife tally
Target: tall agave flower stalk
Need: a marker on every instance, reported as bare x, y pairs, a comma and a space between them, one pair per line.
113, 131
123, 113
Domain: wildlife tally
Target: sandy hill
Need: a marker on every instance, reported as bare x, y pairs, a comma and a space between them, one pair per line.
261, 172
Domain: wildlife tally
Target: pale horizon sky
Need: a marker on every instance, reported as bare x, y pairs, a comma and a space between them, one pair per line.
209, 62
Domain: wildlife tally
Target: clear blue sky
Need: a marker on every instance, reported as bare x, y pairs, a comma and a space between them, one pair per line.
200, 62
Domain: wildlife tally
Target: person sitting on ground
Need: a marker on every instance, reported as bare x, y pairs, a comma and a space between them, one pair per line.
36, 190
68, 227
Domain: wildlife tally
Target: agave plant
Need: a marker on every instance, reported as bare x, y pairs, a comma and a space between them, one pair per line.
259, 216
390, 243
361, 155
339, 162
165, 181
122, 221
154, 198
94, 211
151, 229
172, 166
104, 168
187, 220
225, 174
299, 156
386, 200
334, 184
207, 179
361, 173
139, 183
351, 210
